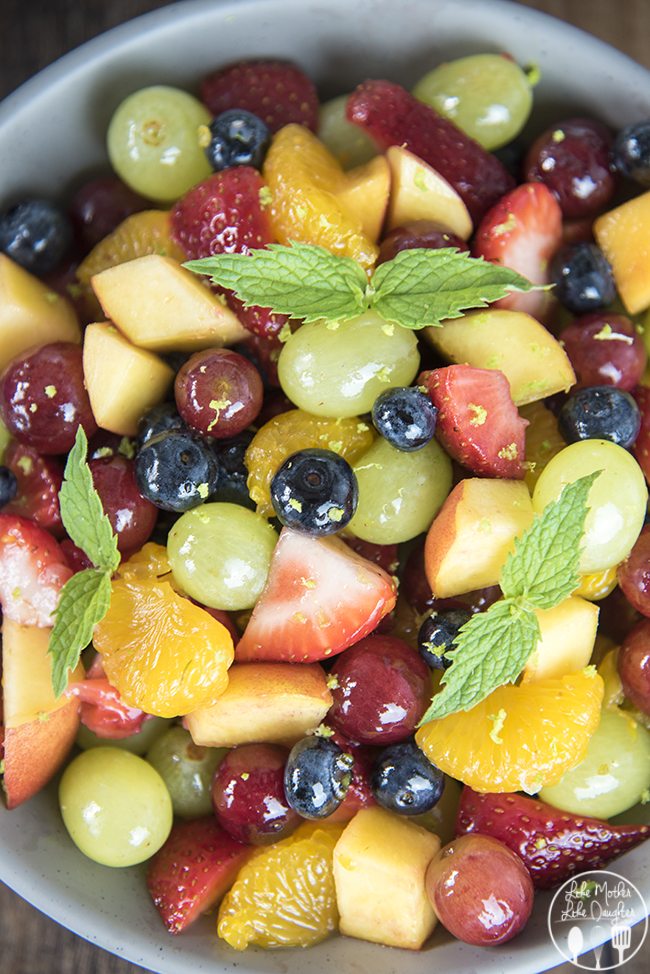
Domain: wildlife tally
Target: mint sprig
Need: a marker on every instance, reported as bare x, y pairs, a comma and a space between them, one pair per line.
494, 646
417, 288
85, 598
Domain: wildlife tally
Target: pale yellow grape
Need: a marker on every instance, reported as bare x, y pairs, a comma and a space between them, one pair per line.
348, 142
138, 743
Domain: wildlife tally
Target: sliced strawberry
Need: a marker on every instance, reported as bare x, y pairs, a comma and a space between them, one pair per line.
278, 92
392, 116
39, 482
259, 321
320, 598
196, 866
478, 423
522, 232
553, 844
33, 571
103, 711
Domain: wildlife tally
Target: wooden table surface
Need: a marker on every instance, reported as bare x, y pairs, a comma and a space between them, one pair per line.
32, 34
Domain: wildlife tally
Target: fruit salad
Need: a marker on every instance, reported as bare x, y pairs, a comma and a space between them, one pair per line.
324, 565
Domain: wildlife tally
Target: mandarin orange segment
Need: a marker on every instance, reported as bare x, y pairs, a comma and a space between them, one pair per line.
164, 654
148, 232
284, 896
520, 737
543, 440
304, 177
297, 430
150, 561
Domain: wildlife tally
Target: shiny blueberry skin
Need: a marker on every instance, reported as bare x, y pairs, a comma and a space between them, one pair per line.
317, 777
239, 138
600, 413
232, 487
176, 471
583, 278
631, 152
36, 234
163, 418
405, 417
404, 781
437, 634
8, 486
315, 492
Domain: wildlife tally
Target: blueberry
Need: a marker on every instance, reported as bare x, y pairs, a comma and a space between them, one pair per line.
631, 152
405, 417
316, 777
233, 475
583, 278
238, 138
437, 634
161, 419
176, 471
315, 491
512, 157
600, 413
36, 234
404, 781
8, 486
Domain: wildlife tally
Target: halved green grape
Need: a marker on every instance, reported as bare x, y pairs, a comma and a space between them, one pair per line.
614, 773
138, 743
339, 369
220, 555
153, 142
115, 806
348, 142
488, 96
187, 770
617, 500
399, 493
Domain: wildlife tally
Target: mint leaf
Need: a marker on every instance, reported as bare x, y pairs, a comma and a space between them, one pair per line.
543, 569
301, 280
83, 602
423, 287
490, 650
82, 512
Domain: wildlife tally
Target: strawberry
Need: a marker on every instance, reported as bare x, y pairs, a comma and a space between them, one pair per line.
552, 844
276, 91
522, 232
392, 116
259, 321
478, 423
39, 482
320, 598
103, 711
196, 866
33, 571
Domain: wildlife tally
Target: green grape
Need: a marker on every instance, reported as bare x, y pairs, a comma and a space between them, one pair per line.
138, 743
220, 555
488, 96
441, 819
399, 493
348, 142
614, 773
617, 500
187, 770
153, 142
115, 806
339, 369
5, 439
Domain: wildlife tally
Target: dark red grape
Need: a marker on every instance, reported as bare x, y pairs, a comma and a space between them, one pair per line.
218, 392
605, 350
634, 666
419, 234
77, 559
617, 616
99, 206
417, 591
132, 517
39, 482
634, 574
641, 448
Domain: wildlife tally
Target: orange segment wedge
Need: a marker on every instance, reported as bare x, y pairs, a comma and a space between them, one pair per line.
148, 232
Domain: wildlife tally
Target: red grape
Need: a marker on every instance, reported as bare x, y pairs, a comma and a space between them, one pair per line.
218, 392
634, 574
641, 448
420, 233
132, 517
417, 591
634, 666
605, 350
99, 206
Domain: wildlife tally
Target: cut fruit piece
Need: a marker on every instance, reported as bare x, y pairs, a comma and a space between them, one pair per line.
147, 232
418, 192
365, 192
543, 441
623, 235
123, 381
471, 537
163, 307
377, 853
534, 363
284, 897
282, 704
520, 738
568, 636
31, 313
320, 598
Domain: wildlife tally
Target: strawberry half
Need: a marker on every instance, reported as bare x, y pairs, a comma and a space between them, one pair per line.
320, 598
522, 232
278, 92
33, 571
39, 482
194, 869
478, 423
552, 844
392, 116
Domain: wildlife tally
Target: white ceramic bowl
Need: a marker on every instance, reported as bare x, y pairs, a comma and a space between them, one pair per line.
66, 108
